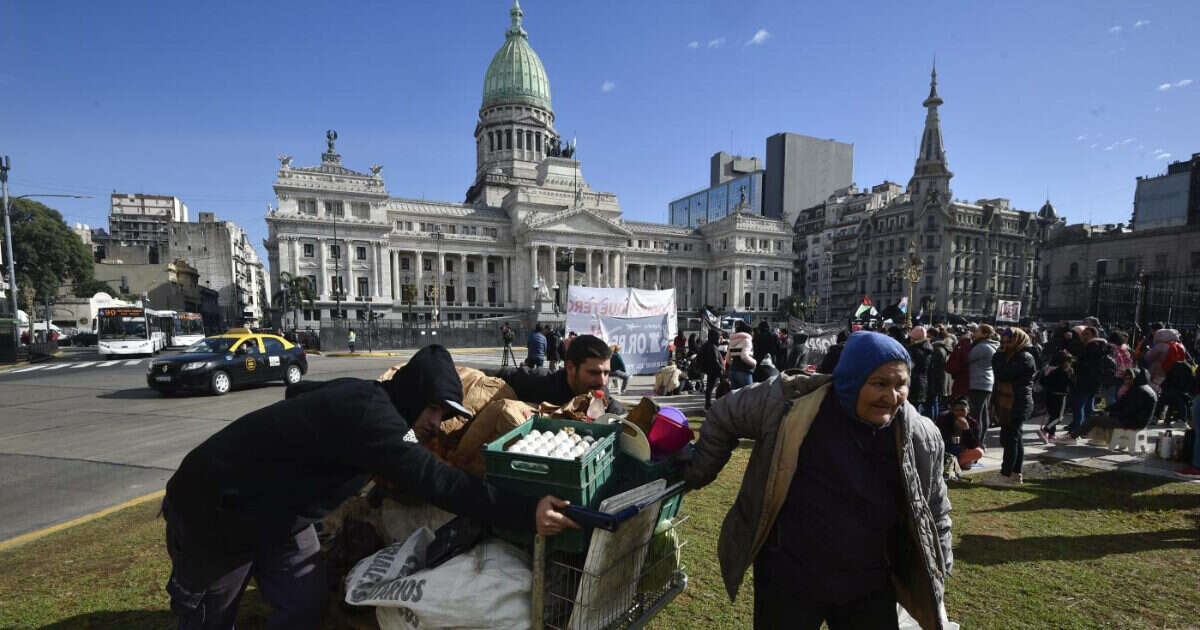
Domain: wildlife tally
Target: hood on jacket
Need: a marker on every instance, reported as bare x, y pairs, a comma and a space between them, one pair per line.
864, 352
741, 341
428, 377
1166, 335
1140, 377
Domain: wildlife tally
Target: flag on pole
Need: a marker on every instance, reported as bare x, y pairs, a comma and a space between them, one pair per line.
865, 309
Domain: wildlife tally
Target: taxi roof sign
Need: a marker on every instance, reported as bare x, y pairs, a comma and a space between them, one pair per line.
238, 331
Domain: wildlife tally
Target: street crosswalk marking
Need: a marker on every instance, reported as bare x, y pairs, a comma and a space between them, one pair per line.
58, 366
84, 364
109, 363
133, 362
29, 369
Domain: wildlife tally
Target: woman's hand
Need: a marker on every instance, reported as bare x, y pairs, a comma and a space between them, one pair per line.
549, 519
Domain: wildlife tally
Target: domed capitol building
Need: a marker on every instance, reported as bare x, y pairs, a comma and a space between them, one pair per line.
529, 226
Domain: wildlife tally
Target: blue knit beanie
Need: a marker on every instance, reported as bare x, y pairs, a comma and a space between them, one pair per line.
864, 352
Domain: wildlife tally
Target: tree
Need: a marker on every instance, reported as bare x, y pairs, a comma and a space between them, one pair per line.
293, 292
48, 253
792, 305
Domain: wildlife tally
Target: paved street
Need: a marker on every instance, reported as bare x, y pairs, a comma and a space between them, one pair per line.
80, 434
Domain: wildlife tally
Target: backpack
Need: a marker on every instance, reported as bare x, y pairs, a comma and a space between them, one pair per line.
1181, 377
1107, 371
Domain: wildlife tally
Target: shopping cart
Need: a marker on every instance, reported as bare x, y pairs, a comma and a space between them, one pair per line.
594, 592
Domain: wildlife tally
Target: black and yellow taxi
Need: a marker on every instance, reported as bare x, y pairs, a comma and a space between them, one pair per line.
237, 357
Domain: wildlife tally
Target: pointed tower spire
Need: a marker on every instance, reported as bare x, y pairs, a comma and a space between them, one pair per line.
516, 30
931, 173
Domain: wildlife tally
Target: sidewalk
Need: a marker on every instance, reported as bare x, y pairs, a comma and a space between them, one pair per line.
1081, 453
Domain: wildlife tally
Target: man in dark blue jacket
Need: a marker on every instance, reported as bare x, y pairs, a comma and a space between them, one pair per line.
243, 503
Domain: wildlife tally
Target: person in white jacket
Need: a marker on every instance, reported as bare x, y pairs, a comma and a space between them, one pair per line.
740, 361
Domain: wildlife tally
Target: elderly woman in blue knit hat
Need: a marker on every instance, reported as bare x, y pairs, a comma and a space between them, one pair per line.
842, 511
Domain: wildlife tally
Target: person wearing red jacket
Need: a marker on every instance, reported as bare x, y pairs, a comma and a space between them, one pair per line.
958, 367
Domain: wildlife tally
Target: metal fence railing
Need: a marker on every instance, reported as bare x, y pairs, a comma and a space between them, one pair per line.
387, 334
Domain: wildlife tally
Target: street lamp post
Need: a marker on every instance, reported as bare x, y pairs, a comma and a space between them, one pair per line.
909, 272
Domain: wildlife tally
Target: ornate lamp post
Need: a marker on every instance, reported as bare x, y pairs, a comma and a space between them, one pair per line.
437, 289
910, 272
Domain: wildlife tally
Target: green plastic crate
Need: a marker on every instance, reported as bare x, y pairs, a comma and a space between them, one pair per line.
586, 481
632, 472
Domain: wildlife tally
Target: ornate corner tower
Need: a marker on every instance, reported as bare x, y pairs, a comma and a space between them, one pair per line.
932, 172
515, 130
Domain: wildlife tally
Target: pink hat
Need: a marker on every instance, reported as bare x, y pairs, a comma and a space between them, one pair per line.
917, 333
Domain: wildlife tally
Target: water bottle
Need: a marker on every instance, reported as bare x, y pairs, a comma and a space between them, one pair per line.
1166, 446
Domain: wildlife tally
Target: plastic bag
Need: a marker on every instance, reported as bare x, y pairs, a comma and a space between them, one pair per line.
486, 587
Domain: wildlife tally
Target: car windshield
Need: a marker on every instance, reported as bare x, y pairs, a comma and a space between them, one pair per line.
212, 344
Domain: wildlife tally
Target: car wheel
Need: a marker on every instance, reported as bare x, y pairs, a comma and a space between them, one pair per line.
220, 383
292, 375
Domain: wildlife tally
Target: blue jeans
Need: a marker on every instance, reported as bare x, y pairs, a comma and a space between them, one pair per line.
739, 378
1082, 405
1196, 432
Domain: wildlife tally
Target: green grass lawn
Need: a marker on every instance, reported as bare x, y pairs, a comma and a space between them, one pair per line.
1073, 548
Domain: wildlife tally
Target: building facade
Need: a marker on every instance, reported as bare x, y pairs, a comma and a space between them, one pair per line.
1169, 200
228, 264
734, 182
802, 171
1106, 270
530, 225
965, 256
143, 220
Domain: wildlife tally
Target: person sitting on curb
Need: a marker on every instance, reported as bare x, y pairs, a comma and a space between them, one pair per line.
959, 430
244, 501
1134, 410
587, 369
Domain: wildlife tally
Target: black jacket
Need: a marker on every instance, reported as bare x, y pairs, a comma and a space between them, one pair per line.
922, 361
552, 388
1018, 371
939, 384
831, 358
274, 470
1135, 409
1088, 370
553, 347
766, 343
710, 359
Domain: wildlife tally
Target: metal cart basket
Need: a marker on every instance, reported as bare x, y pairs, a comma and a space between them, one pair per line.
590, 592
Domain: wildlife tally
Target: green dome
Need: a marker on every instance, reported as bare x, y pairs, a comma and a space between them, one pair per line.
516, 74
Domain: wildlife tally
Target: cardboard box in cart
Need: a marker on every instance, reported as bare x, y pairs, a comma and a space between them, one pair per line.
585, 481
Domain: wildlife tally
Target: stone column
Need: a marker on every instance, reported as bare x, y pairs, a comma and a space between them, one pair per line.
622, 281
377, 263
439, 281
533, 264
506, 296
462, 279
587, 267
393, 268
322, 287
418, 272
687, 287
552, 275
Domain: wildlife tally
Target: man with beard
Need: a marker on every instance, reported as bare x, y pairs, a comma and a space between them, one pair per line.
587, 368
243, 503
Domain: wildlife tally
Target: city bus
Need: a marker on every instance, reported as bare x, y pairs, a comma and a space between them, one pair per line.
122, 331
162, 326
189, 328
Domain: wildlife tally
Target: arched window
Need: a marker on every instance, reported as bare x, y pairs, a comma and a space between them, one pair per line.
491, 142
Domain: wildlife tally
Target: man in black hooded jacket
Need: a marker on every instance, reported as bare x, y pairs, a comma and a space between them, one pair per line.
244, 502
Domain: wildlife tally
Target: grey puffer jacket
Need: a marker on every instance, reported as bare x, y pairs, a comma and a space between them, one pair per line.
777, 414
980, 364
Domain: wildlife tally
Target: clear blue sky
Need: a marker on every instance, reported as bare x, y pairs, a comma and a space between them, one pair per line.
197, 99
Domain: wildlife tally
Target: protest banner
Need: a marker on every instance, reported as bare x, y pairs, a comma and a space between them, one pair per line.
641, 321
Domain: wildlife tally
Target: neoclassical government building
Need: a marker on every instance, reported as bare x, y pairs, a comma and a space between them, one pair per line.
529, 226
